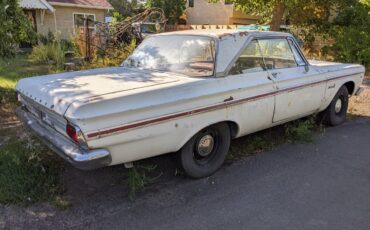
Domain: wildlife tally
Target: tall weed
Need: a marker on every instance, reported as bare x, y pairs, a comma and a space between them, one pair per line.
50, 53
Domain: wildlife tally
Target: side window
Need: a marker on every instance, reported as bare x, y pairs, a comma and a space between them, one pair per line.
296, 53
277, 53
251, 60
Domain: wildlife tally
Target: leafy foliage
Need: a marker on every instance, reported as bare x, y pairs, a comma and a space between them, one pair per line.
298, 13
15, 27
351, 32
126, 8
173, 9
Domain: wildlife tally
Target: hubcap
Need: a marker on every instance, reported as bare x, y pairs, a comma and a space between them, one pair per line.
205, 145
338, 105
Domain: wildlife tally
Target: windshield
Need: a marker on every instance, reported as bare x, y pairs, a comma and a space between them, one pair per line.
189, 55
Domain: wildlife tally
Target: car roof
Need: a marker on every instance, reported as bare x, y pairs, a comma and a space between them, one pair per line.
222, 32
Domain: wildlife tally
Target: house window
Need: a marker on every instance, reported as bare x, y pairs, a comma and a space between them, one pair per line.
191, 3
82, 20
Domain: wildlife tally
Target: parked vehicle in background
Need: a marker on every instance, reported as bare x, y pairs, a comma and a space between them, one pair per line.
149, 28
188, 92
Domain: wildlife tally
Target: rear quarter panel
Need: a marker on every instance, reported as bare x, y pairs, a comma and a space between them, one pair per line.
338, 74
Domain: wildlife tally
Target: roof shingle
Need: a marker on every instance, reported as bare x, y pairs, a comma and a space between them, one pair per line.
36, 4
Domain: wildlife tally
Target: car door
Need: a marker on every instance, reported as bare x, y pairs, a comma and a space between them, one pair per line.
254, 90
295, 95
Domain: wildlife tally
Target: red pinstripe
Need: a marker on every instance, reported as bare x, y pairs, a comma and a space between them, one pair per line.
202, 110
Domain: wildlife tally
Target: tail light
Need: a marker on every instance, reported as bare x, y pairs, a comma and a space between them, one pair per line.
74, 132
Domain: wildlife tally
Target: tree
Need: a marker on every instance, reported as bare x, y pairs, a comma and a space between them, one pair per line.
173, 9
127, 8
351, 32
300, 12
15, 27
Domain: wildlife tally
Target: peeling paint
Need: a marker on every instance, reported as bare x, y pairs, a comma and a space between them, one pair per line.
225, 35
243, 33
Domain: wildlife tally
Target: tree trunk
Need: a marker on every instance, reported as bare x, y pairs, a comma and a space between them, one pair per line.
277, 15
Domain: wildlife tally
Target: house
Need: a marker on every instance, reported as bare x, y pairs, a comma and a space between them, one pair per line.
201, 12
63, 17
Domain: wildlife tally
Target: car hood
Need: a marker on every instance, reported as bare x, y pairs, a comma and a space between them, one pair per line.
58, 91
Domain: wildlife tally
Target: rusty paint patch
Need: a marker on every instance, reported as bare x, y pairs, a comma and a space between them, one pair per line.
243, 33
225, 35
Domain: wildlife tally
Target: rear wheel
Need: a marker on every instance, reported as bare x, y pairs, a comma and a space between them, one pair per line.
336, 112
206, 151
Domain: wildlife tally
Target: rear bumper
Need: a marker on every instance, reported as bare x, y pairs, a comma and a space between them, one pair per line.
65, 148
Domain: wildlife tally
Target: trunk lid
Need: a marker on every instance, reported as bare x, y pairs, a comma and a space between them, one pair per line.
58, 91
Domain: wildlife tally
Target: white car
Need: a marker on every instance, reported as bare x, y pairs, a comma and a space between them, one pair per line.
188, 92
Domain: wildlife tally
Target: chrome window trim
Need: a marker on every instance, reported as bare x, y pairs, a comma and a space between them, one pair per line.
212, 38
262, 37
239, 55
296, 46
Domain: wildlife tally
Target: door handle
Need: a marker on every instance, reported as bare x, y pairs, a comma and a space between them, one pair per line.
229, 99
331, 86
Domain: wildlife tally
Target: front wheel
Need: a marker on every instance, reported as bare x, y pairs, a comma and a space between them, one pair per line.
206, 151
336, 112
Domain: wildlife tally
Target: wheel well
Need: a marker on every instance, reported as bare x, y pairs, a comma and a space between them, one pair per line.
350, 87
234, 128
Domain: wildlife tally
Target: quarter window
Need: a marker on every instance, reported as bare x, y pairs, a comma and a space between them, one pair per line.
277, 53
296, 53
251, 60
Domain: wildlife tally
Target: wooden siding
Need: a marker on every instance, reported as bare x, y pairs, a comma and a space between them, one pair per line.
64, 19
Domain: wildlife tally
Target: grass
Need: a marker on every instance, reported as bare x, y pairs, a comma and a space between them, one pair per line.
299, 131
28, 172
139, 178
12, 70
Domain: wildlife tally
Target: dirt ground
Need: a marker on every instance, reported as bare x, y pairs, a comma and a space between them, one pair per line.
95, 194
360, 105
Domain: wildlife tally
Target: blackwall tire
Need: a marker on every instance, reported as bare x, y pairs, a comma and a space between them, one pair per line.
336, 113
206, 151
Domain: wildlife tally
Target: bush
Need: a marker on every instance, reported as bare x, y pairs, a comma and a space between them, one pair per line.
352, 44
51, 53
351, 32
47, 39
15, 28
